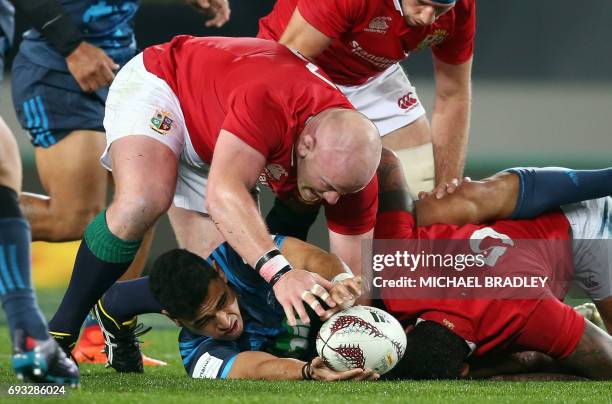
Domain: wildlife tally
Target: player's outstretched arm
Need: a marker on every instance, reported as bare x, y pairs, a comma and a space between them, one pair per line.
263, 366
234, 170
592, 357
471, 202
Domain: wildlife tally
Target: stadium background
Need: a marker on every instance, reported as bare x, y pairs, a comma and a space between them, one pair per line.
542, 94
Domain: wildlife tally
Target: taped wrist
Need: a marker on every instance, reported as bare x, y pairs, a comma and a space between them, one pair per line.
49, 18
272, 266
105, 245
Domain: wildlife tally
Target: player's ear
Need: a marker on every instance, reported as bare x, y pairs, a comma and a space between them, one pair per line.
464, 370
305, 145
175, 320
221, 275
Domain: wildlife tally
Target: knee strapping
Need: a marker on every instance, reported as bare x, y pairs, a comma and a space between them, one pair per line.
419, 168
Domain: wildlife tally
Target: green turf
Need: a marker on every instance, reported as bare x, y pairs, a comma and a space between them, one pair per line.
170, 384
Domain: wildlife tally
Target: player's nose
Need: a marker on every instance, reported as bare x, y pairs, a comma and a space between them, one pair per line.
331, 197
427, 15
223, 320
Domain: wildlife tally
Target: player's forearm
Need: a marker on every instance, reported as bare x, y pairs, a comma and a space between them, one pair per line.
450, 127
49, 18
233, 210
263, 366
350, 248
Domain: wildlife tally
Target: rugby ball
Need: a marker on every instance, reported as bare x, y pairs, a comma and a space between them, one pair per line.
361, 337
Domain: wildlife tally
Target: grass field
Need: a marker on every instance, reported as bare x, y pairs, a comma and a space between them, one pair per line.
170, 384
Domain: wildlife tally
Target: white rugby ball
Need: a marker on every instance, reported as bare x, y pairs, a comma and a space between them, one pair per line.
361, 337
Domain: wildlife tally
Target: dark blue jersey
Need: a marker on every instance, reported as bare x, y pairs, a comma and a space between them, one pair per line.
107, 24
265, 325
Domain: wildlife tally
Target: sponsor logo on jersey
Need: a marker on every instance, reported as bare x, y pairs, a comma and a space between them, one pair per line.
207, 367
432, 39
272, 172
161, 122
379, 61
378, 25
407, 101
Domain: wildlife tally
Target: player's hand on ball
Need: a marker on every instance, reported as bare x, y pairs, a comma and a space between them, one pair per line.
319, 371
297, 287
345, 292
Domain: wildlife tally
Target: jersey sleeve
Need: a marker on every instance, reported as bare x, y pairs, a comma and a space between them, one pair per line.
332, 17
459, 47
553, 328
258, 118
206, 358
354, 213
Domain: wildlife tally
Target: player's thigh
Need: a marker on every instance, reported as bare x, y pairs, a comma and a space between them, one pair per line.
195, 231
391, 102
144, 173
71, 173
10, 161
415, 134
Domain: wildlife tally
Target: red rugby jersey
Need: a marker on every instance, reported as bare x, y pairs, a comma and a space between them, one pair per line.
262, 93
371, 35
546, 325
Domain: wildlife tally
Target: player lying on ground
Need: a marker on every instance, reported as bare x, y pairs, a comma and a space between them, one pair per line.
449, 330
127, 299
232, 325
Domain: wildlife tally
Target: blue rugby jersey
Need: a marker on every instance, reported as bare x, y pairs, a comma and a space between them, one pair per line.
265, 325
107, 24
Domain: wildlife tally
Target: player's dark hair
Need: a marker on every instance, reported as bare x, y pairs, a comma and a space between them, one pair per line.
179, 281
432, 352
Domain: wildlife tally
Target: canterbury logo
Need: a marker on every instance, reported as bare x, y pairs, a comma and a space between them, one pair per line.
407, 101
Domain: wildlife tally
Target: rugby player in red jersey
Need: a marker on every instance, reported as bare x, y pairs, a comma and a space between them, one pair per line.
359, 45
446, 331
195, 123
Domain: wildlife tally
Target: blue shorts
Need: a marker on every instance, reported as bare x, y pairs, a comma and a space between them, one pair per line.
50, 104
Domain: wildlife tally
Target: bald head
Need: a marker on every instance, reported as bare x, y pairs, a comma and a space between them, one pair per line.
340, 146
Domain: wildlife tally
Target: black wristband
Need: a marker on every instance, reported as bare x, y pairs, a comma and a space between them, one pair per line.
279, 275
49, 19
265, 258
63, 35
306, 374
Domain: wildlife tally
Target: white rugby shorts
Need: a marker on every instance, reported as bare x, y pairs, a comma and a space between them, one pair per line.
140, 103
591, 223
389, 100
